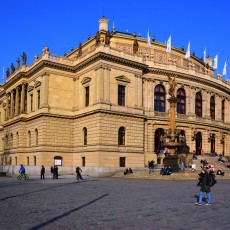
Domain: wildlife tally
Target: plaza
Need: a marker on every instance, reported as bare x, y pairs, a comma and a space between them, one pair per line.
109, 203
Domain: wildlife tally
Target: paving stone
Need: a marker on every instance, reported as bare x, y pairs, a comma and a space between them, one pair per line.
110, 203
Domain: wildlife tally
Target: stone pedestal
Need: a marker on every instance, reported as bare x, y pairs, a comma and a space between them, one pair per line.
173, 161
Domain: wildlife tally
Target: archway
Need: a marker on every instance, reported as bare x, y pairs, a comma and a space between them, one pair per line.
157, 142
198, 143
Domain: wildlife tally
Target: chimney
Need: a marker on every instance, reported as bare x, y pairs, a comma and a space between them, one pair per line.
103, 24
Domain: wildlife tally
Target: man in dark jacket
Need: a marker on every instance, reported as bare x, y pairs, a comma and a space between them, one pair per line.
43, 172
78, 171
204, 186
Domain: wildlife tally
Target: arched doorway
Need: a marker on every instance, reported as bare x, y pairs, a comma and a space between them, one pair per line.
157, 142
198, 143
212, 140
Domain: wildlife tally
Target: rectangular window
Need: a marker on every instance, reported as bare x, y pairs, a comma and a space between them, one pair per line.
28, 161
122, 161
31, 102
39, 98
83, 161
16, 161
121, 95
87, 96
35, 161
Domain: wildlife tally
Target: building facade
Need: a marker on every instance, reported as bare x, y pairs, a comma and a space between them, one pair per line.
103, 106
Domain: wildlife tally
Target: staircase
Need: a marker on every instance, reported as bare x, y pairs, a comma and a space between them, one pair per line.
186, 175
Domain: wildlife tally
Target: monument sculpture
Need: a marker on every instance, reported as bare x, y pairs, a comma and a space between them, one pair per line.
172, 138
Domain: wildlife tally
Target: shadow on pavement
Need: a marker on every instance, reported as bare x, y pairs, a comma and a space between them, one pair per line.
67, 213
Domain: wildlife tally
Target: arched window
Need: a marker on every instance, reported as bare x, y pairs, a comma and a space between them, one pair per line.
36, 137
29, 138
212, 107
121, 136
181, 101
159, 98
222, 110
198, 104
84, 136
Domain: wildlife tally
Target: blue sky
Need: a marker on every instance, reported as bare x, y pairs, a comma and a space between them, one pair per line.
28, 26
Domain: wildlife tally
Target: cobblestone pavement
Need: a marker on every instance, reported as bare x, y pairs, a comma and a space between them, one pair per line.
110, 203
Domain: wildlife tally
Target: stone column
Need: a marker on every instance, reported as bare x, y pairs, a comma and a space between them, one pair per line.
206, 104
101, 82
151, 93
136, 91
16, 99
74, 94
12, 103
145, 103
23, 98
45, 91
7, 106
218, 108
95, 85
191, 101
140, 90
108, 85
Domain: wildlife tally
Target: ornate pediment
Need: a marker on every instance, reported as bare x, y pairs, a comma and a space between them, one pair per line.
85, 80
123, 78
37, 84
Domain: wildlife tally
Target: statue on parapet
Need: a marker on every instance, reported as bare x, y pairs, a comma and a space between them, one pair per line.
18, 63
107, 38
135, 46
12, 68
7, 72
172, 85
24, 58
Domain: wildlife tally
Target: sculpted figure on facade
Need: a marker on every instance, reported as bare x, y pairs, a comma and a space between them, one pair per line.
107, 38
18, 63
135, 46
172, 85
80, 50
7, 72
97, 37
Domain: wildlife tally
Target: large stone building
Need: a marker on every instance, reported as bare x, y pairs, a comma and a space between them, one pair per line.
104, 105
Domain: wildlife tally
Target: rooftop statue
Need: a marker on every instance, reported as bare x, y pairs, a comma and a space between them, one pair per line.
18, 63
12, 68
24, 57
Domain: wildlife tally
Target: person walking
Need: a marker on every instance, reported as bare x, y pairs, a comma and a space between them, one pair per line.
55, 172
43, 172
204, 186
78, 171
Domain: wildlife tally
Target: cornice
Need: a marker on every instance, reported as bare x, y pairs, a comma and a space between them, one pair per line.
190, 78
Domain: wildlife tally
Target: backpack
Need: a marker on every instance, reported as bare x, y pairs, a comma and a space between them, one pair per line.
211, 181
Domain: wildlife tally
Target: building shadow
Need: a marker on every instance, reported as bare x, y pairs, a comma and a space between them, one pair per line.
44, 189
67, 213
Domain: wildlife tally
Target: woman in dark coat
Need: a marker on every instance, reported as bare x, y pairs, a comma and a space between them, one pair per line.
204, 186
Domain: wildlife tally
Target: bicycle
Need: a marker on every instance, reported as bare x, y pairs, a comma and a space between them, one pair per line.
22, 176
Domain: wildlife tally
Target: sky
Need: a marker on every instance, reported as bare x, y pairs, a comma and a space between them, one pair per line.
28, 26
